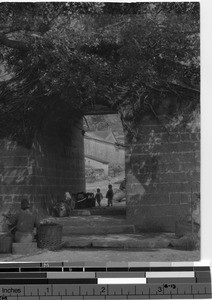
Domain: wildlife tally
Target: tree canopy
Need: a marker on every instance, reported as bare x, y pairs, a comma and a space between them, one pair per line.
63, 56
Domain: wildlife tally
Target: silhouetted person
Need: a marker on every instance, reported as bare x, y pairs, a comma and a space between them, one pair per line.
99, 197
109, 195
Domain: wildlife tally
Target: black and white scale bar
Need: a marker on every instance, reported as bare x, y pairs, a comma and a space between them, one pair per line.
157, 273
150, 275
104, 277
100, 269
38, 281
81, 267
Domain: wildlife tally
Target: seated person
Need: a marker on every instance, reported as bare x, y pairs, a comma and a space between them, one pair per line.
25, 223
69, 201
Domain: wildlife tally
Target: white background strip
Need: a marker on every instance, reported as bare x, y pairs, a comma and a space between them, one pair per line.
169, 274
122, 280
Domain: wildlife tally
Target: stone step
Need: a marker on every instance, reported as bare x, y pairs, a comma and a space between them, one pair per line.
95, 224
24, 248
81, 212
124, 241
94, 220
97, 230
118, 211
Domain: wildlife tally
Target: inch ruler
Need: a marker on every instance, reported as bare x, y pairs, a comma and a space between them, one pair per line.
113, 291
62, 281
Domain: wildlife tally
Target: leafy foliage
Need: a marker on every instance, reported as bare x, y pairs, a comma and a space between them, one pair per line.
63, 56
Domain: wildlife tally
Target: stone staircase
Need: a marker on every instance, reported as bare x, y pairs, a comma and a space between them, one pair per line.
96, 225
107, 228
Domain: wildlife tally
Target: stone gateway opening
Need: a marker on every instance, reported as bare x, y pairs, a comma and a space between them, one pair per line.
104, 148
162, 169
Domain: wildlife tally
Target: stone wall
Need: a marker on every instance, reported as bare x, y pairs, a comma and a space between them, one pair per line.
53, 165
162, 169
163, 173
15, 173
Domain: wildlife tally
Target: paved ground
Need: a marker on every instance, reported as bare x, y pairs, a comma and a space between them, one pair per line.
106, 237
115, 244
103, 256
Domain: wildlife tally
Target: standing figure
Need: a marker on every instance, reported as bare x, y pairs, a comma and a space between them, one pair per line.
98, 197
25, 222
109, 195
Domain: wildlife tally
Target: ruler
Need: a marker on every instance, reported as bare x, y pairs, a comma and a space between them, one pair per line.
49, 281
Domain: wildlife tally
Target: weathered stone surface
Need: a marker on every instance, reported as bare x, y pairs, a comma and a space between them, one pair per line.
95, 224
163, 170
24, 248
188, 242
157, 218
126, 241
92, 221
79, 212
108, 243
5, 242
147, 243
88, 230
53, 165
167, 147
109, 211
77, 242
179, 198
185, 228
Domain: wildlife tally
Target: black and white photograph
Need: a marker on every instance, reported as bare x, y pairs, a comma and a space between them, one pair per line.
100, 131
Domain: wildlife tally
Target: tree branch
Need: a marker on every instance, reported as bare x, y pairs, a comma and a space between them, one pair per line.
12, 43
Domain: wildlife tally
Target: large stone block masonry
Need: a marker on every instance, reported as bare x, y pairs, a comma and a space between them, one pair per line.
162, 169
53, 165
163, 174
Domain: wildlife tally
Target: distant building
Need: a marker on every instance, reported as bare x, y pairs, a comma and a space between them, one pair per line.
103, 145
102, 135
